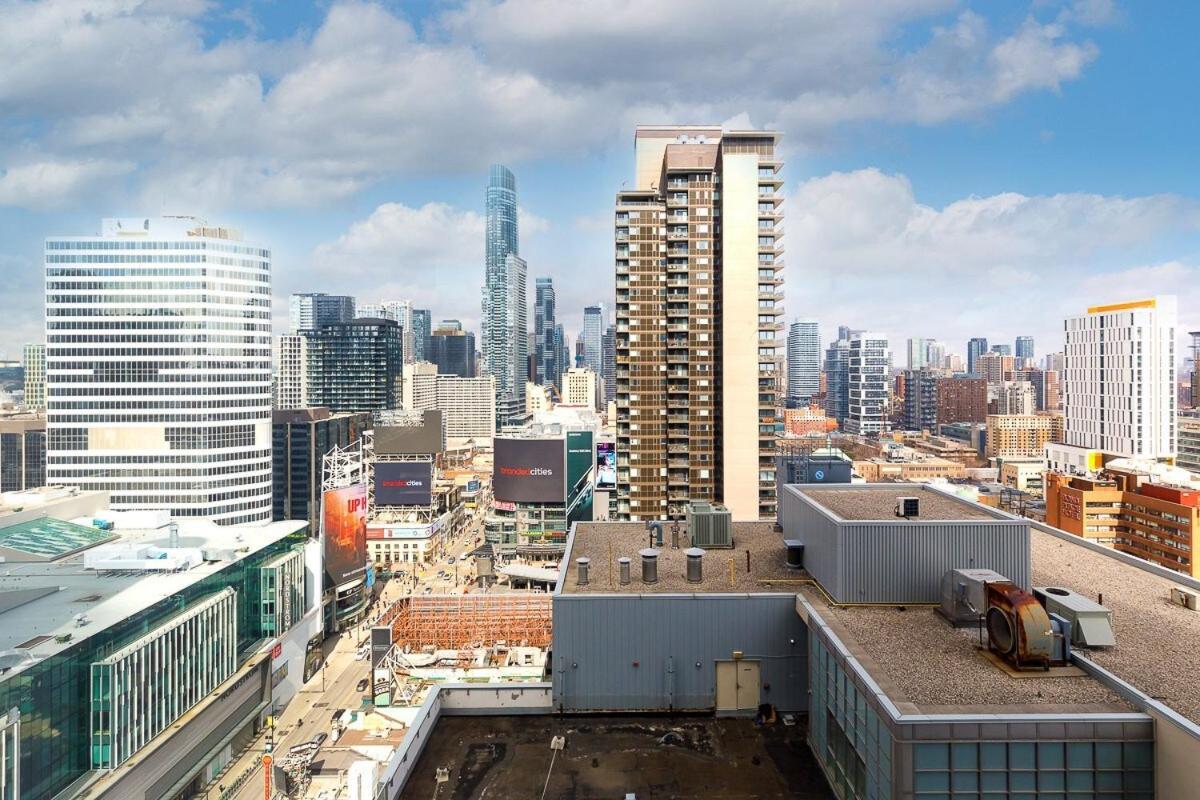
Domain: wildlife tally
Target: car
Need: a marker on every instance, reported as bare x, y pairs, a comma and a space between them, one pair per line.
362, 685
450, 560
320, 738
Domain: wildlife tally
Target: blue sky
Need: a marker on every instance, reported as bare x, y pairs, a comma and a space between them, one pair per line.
953, 168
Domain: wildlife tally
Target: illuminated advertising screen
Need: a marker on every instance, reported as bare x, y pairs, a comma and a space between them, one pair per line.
581, 456
403, 483
529, 471
606, 466
344, 526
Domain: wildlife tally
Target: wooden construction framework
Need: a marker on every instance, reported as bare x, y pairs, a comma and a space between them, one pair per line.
471, 620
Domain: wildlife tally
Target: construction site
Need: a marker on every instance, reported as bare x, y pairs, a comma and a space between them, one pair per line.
451, 622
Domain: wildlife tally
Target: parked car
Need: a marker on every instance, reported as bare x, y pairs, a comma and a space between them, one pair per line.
320, 738
362, 685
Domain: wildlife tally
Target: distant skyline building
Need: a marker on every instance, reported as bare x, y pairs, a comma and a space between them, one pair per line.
608, 375
698, 269
975, 348
33, 363
562, 348
595, 320
867, 371
1118, 386
356, 365
505, 312
935, 354
837, 376
1024, 350
291, 370
453, 352
803, 362
580, 386
161, 396
310, 310
918, 353
1002, 349
544, 323
422, 323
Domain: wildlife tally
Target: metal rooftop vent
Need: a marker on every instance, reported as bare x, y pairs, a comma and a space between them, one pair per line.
582, 564
1091, 623
649, 565
623, 566
795, 553
695, 564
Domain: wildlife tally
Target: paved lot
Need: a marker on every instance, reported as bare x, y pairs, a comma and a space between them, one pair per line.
509, 758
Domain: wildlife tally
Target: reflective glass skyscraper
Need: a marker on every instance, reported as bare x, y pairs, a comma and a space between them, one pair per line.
803, 362
545, 352
594, 322
975, 348
505, 318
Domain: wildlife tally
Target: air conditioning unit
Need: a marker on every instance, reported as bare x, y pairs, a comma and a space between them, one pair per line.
709, 525
1091, 623
908, 507
1183, 596
964, 594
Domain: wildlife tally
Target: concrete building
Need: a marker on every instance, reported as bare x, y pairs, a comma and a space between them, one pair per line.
1188, 429
1023, 351
1130, 512
468, 405
1023, 475
837, 376
505, 311
154, 651
1012, 397
422, 329
22, 452
807, 422
33, 362
356, 365
581, 388
922, 469
312, 310
538, 398
291, 370
1021, 435
710, 200
961, 400
1118, 386
868, 365
918, 354
803, 362
300, 437
995, 367
1046, 387
189, 431
920, 407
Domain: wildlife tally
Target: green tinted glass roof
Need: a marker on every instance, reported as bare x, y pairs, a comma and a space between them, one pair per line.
46, 537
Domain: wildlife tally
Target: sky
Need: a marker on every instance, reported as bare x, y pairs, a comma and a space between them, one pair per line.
953, 169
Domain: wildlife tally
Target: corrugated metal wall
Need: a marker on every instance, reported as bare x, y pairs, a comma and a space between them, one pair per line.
640, 652
903, 562
804, 521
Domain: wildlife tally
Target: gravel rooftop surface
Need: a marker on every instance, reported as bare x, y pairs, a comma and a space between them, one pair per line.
1158, 644
880, 503
596, 540
919, 659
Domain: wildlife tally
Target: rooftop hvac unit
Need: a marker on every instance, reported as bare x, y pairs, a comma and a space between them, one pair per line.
709, 525
1018, 628
1091, 623
908, 507
1183, 596
964, 594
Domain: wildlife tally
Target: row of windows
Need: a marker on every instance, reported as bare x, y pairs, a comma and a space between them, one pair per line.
154, 338
156, 286
176, 489
255, 276
208, 510
149, 259
156, 458
258, 389
77, 419
205, 311
262, 400
117, 244
147, 299
167, 325
233, 352
158, 471
215, 377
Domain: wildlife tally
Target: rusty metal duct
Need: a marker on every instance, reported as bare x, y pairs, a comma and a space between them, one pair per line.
1019, 629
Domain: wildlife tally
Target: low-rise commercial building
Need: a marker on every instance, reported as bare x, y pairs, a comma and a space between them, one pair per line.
925, 468
1025, 475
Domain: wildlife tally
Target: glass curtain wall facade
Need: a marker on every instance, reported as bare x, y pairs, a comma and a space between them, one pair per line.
144, 687
355, 366
54, 695
282, 592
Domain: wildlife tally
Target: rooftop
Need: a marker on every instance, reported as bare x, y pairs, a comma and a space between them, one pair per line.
758, 555
879, 503
507, 758
41, 600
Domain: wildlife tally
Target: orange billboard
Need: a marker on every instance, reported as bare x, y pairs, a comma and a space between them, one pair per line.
344, 526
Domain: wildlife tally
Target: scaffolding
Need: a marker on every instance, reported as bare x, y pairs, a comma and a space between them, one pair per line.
471, 620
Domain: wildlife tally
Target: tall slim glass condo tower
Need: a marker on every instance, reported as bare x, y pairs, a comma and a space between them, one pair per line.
505, 342
158, 367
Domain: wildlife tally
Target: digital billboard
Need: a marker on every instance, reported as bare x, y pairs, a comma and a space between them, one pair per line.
344, 526
403, 483
529, 470
581, 458
606, 466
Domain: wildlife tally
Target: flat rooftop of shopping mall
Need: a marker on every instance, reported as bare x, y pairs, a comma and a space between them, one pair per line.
507, 758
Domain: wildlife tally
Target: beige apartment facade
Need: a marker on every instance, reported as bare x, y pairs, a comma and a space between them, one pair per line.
1021, 435
698, 277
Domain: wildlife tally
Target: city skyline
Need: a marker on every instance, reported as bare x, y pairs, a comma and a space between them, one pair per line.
1037, 218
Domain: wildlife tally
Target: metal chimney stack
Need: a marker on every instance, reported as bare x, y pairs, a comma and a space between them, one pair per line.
582, 564
173, 535
623, 564
695, 564
649, 565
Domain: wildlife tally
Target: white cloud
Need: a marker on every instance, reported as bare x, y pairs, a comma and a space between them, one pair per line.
863, 251
254, 123
42, 184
